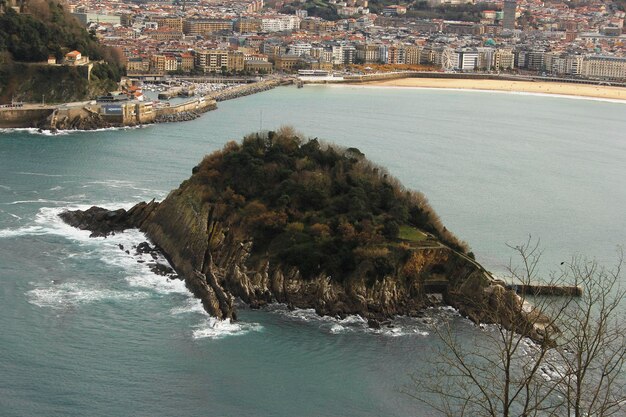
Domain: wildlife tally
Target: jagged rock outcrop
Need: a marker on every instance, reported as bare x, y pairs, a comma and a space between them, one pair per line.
217, 270
103, 222
78, 119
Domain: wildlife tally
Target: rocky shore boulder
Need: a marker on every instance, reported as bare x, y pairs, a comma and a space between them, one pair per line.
102, 222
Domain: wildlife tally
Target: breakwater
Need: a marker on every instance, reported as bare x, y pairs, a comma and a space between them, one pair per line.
186, 111
184, 116
548, 290
248, 89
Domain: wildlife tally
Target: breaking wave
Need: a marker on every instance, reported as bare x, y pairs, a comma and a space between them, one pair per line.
72, 295
213, 328
400, 326
45, 132
139, 282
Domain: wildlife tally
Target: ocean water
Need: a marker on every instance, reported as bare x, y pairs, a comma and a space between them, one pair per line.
86, 329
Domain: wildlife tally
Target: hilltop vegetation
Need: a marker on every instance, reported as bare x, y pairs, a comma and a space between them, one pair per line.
316, 207
28, 39
46, 30
315, 8
463, 12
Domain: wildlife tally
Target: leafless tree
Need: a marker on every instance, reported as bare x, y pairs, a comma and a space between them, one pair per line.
573, 370
593, 344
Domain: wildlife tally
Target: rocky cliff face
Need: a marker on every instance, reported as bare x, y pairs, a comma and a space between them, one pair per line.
278, 220
217, 268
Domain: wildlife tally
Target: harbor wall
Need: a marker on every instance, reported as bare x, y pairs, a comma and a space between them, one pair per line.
248, 89
23, 117
193, 105
420, 74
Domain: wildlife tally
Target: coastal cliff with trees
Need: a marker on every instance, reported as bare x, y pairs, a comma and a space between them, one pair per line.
42, 29
277, 218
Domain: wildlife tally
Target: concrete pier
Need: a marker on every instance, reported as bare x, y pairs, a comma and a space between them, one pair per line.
550, 290
26, 116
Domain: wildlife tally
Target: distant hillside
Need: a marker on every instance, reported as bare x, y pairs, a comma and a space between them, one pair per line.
317, 8
47, 29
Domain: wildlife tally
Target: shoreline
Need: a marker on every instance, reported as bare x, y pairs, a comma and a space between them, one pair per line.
79, 118
557, 89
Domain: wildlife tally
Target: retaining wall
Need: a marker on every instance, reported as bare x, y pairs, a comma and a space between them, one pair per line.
23, 117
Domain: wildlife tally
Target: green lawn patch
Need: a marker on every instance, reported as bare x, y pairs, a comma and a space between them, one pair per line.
411, 234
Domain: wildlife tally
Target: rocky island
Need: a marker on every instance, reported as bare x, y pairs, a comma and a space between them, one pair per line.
280, 219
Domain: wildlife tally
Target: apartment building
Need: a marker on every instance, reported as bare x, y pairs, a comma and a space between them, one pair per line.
137, 65
604, 67
280, 23
186, 62
299, 48
412, 54
206, 26
247, 25
503, 59
368, 53
236, 61
563, 64
287, 62
396, 54
172, 23
467, 60
163, 34
213, 60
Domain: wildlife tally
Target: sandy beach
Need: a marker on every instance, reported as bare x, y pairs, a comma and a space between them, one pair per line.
568, 89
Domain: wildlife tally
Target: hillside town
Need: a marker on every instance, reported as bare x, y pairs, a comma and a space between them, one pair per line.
553, 38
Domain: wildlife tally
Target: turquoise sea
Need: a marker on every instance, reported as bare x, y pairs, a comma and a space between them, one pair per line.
85, 329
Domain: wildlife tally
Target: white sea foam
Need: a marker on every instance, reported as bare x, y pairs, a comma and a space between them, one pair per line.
124, 184
191, 306
47, 221
21, 231
213, 328
158, 283
15, 216
142, 282
73, 294
44, 132
39, 200
401, 326
19, 129
39, 174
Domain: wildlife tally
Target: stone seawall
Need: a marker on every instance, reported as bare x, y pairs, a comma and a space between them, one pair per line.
419, 74
184, 112
248, 89
24, 117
